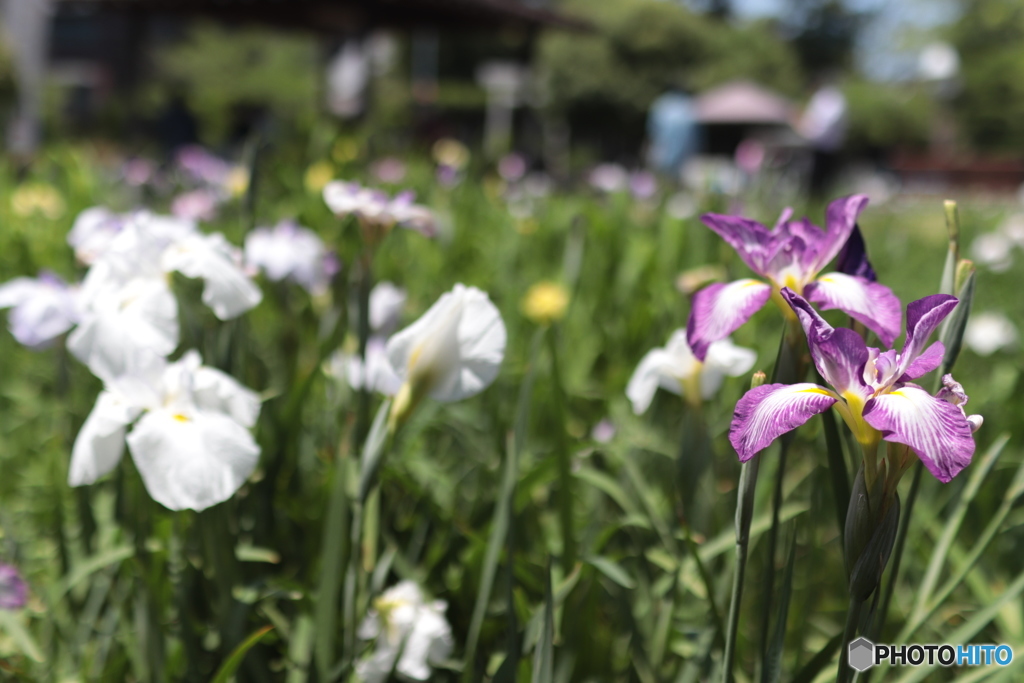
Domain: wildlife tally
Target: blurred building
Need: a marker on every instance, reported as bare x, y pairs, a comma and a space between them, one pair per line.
95, 49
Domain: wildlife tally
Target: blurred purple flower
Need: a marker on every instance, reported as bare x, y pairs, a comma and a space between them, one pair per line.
750, 156
202, 166
448, 176
389, 170
138, 171
512, 167
13, 589
642, 184
197, 205
604, 431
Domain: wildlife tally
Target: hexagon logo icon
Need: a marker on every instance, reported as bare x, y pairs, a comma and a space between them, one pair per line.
862, 654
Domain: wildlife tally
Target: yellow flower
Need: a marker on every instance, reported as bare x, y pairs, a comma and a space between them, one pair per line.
237, 181
345, 150
37, 198
545, 302
451, 153
318, 175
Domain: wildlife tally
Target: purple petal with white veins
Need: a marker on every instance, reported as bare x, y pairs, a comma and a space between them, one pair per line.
840, 220
769, 411
750, 239
935, 429
923, 317
839, 354
925, 363
868, 302
719, 309
853, 257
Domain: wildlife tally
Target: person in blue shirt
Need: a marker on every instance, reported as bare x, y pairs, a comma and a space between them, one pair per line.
671, 132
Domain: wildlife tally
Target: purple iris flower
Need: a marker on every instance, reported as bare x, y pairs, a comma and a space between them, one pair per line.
13, 590
871, 389
791, 255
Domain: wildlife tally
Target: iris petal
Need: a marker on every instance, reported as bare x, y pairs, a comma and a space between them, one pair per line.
719, 309
769, 411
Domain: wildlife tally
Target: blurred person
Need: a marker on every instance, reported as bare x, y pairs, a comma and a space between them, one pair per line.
823, 124
671, 132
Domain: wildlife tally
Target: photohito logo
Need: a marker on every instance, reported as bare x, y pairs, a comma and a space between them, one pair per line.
864, 654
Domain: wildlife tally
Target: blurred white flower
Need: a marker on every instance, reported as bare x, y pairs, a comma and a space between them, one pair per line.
452, 352
227, 289
125, 302
676, 369
608, 178
291, 251
376, 208
42, 308
989, 332
93, 231
681, 205
375, 375
123, 312
386, 303
411, 634
993, 250
1013, 229
191, 445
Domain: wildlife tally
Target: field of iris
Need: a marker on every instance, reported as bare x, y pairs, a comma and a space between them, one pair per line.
471, 499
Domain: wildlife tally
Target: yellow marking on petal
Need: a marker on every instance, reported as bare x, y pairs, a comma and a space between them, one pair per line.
180, 418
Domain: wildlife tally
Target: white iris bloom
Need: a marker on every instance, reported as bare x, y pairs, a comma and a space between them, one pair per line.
676, 369
411, 634
290, 251
228, 290
191, 443
452, 352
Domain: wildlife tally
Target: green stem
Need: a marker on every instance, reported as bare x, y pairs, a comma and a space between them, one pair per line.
564, 460
878, 623
852, 619
365, 275
744, 511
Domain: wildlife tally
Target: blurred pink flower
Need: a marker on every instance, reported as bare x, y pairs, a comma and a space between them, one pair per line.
197, 205
389, 170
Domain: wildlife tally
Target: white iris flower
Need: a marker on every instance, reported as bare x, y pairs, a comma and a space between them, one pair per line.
411, 634
191, 442
676, 369
452, 352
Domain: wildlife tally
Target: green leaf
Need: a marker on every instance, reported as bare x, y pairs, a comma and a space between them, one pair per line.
373, 450
10, 622
811, 669
234, 660
971, 627
499, 530
978, 473
333, 559
952, 331
90, 566
544, 655
300, 647
771, 671
612, 570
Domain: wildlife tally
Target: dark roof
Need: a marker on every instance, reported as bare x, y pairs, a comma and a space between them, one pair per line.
346, 15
